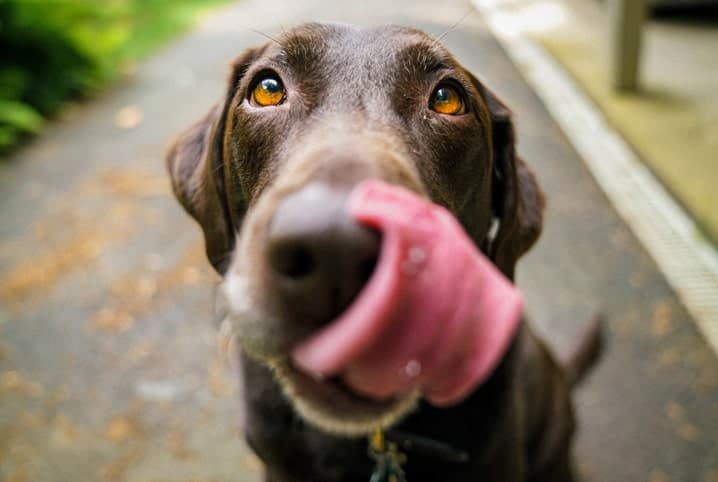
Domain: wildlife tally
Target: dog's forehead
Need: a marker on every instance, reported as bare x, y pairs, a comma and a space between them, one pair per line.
348, 49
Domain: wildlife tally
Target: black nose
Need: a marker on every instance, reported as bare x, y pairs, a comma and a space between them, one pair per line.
319, 257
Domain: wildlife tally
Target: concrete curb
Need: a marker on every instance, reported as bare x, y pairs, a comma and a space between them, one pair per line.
687, 260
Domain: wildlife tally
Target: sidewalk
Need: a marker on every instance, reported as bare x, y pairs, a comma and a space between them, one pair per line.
671, 120
108, 364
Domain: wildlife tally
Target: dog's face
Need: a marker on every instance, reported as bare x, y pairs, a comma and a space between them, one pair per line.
306, 118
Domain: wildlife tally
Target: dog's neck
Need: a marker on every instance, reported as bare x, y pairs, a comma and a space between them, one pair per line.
413, 444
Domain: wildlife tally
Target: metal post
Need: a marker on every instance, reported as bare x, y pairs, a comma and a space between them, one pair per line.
626, 21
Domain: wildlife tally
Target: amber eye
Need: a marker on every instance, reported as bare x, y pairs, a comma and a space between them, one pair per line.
268, 91
446, 100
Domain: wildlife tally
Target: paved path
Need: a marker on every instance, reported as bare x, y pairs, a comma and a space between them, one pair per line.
108, 364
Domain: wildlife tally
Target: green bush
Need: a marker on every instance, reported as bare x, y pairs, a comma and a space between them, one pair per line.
51, 51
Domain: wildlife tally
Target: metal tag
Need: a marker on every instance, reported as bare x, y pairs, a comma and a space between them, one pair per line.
387, 458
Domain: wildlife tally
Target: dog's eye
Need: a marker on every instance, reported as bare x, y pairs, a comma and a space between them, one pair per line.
447, 100
268, 91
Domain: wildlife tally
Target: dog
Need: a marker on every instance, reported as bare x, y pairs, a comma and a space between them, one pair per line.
305, 118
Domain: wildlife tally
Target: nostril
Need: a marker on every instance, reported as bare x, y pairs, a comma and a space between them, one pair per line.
293, 261
318, 258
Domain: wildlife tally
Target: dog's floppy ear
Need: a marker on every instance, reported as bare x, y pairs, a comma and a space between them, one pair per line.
516, 198
196, 164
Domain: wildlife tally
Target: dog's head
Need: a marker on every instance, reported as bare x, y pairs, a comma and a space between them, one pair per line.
266, 173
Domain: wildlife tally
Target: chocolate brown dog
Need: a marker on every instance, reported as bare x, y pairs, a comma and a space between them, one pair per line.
267, 172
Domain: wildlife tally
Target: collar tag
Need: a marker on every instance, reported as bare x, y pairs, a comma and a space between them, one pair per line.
387, 459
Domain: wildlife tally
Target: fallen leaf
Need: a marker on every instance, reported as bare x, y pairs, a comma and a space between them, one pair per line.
657, 476
675, 411
115, 470
20, 474
688, 432
64, 432
120, 429
178, 446
661, 324
112, 319
17, 383
140, 351
128, 117
29, 420
4, 352
217, 380
39, 273
669, 357
637, 279
134, 182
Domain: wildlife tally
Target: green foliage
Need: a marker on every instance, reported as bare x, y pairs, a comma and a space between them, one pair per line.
55, 50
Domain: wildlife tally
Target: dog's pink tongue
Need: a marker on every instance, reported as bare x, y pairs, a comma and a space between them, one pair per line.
436, 314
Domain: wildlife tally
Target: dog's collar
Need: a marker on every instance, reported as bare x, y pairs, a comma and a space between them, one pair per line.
427, 447
389, 451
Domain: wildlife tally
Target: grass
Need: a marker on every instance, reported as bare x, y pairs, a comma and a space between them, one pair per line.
148, 24
69, 49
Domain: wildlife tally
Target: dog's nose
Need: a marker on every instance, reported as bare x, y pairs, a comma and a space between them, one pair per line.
319, 256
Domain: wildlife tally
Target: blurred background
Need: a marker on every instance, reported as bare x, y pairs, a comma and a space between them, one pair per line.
111, 368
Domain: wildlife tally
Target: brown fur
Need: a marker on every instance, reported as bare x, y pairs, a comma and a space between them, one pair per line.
357, 108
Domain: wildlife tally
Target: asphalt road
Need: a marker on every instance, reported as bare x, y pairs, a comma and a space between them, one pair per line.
108, 362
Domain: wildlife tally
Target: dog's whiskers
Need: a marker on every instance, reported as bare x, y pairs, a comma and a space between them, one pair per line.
453, 26
263, 34
218, 168
227, 342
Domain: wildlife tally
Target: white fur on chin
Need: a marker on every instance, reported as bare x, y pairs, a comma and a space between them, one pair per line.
337, 417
